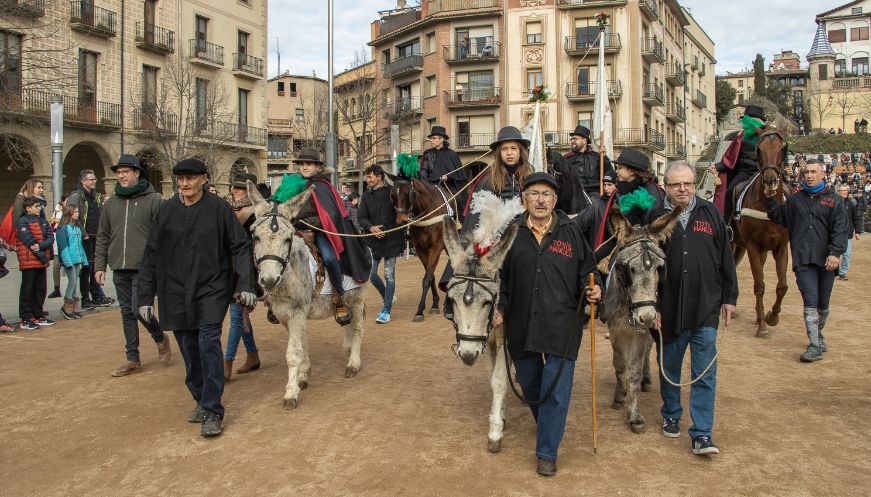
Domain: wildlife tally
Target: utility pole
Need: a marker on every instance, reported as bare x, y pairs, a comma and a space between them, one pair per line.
331, 133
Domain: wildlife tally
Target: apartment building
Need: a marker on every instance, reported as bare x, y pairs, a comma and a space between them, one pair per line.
151, 79
784, 70
359, 104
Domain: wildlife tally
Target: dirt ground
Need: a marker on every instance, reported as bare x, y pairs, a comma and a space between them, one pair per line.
414, 422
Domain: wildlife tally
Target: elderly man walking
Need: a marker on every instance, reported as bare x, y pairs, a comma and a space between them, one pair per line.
124, 225
543, 279
701, 287
89, 203
816, 220
195, 249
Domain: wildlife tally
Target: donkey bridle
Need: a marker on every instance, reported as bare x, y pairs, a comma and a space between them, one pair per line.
273, 216
469, 297
623, 274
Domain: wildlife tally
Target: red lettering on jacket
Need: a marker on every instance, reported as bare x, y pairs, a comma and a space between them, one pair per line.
561, 247
828, 202
704, 227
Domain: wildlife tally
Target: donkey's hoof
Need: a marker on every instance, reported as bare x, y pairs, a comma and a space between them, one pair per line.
494, 446
637, 427
772, 319
351, 372
617, 405
762, 334
435, 310
302, 384
291, 403
647, 386
417, 318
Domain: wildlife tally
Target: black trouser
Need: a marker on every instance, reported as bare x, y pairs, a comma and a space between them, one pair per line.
729, 207
125, 287
32, 294
203, 365
815, 285
87, 281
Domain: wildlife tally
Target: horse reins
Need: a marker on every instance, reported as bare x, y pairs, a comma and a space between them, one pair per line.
273, 216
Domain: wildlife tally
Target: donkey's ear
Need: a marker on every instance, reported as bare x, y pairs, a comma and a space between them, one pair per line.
620, 227
291, 208
663, 226
261, 205
456, 252
494, 258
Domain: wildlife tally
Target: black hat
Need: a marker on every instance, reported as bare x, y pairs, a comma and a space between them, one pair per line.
509, 133
581, 131
240, 179
127, 160
609, 177
439, 131
633, 159
308, 155
755, 111
539, 178
190, 166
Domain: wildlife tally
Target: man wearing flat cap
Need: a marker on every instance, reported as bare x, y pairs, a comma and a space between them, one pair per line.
585, 162
196, 258
543, 280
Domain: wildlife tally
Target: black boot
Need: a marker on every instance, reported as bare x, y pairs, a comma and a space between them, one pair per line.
55, 294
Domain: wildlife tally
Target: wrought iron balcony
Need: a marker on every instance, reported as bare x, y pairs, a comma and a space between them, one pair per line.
581, 4
436, 6
224, 133
578, 92
652, 95
206, 54
676, 112
677, 75
397, 21
474, 141
474, 97
643, 138
475, 52
247, 66
676, 150
651, 50
404, 65
649, 9
590, 44
87, 18
155, 38
23, 8
403, 108
700, 99
151, 120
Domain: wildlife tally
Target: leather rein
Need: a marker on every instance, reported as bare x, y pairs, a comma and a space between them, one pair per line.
275, 220
648, 250
470, 280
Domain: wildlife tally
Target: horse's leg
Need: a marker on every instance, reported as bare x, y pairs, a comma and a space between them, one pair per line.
428, 276
618, 359
499, 385
357, 306
757, 266
781, 260
295, 330
633, 372
646, 378
433, 284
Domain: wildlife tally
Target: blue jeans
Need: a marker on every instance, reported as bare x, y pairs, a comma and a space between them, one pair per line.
845, 260
386, 292
72, 274
703, 348
331, 262
535, 375
236, 333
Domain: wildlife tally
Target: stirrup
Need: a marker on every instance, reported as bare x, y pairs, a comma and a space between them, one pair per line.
340, 313
730, 233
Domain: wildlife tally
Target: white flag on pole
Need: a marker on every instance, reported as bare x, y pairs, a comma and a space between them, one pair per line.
602, 105
532, 132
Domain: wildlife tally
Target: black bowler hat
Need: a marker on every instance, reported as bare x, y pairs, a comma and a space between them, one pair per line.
439, 131
581, 131
755, 111
127, 160
633, 159
509, 133
539, 178
190, 166
240, 179
609, 177
308, 155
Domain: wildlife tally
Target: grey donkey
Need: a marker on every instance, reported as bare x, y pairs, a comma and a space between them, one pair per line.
638, 265
282, 260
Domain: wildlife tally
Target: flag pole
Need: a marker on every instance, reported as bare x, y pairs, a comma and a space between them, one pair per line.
593, 363
601, 103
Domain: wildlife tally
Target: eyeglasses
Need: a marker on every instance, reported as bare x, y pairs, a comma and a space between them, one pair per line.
681, 186
547, 195
89, 179
123, 172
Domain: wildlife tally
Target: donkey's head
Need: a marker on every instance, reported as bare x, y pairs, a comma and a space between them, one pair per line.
272, 232
639, 265
474, 288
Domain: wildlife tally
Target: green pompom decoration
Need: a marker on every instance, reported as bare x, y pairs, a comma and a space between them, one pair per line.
408, 165
291, 186
639, 198
750, 124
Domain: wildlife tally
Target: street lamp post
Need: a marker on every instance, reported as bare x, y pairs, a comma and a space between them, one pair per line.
57, 145
331, 133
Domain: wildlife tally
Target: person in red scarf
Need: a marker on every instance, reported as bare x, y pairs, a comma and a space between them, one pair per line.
325, 210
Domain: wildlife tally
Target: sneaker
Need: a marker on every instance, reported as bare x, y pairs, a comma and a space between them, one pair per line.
28, 325
812, 354
545, 467
843, 277
87, 304
127, 368
44, 321
198, 415
671, 427
383, 317
212, 426
104, 301
702, 446
8, 328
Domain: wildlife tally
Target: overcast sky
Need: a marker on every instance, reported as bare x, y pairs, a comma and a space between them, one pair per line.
739, 28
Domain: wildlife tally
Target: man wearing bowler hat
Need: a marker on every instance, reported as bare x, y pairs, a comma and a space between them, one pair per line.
195, 253
125, 222
439, 165
585, 162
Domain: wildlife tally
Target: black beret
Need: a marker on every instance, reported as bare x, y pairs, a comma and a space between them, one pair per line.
539, 178
190, 166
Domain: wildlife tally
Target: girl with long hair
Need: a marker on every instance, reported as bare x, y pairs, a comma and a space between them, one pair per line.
72, 257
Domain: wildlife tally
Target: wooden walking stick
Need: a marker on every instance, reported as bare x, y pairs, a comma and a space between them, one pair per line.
593, 362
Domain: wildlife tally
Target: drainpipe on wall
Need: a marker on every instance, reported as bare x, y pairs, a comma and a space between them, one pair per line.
122, 76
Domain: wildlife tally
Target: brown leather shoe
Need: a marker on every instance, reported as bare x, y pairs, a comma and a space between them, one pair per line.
252, 363
164, 354
546, 467
228, 370
127, 368
342, 316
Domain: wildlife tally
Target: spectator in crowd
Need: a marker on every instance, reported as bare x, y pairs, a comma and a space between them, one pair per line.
4, 326
353, 210
34, 247
72, 256
89, 202
855, 226
55, 269
346, 192
31, 188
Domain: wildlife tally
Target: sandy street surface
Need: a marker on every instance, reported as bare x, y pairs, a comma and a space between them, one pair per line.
414, 422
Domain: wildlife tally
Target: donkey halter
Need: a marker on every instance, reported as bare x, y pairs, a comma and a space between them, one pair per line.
648, 251
276, 221
471, 281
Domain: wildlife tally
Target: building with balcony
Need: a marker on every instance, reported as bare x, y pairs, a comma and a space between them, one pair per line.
297, 111
114, 69
358, 97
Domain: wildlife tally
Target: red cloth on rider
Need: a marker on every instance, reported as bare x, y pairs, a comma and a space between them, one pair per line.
600, 233
729, 160
327, 221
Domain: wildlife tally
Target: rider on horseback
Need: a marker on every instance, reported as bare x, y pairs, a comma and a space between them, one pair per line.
441, 165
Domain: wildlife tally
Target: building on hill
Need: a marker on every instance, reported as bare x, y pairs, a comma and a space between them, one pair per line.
358, 104
298, 118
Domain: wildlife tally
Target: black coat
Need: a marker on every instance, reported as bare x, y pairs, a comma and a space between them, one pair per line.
700, 272
586, 169
191, 258
541, 288
436, 163
375, 209
855, 218
817, 225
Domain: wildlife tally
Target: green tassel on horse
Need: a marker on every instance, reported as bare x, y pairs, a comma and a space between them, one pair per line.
291, 186
408, 165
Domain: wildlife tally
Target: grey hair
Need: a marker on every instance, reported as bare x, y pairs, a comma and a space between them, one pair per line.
672, 166
84, 174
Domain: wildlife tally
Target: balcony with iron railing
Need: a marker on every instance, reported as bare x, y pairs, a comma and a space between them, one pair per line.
150, 120
403, 108
700, 99
154, 38
676, 112
397, 21
652, 95
474, 141
87, 18
582, 4
247, 66
224, 133
487, 51
474, 97
205, 53
649, 9
436, 6
578, 92
651, 50
23, 8
676, 75
404, 65
643, 138
676, 150
589, 45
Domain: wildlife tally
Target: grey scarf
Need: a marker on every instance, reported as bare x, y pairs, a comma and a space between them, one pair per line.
684, 216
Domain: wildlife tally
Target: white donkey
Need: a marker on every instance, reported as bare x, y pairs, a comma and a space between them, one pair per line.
474, 289
284, 263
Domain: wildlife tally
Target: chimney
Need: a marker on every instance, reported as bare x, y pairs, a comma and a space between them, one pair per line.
400, 4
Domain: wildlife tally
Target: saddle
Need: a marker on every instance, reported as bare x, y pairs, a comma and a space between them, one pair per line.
738, 194
308, 237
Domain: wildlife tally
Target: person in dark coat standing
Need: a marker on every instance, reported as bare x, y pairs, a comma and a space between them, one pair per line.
195, 251
855, 226
90, 203
701, 286
543, 279
439, 165
816, 221
585, 162
377, 215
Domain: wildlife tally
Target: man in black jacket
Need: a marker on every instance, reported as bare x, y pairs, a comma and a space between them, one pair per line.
90, 203
585, 162
441, 165
855, 226
701, 286
377, 215
543, 279
817, 225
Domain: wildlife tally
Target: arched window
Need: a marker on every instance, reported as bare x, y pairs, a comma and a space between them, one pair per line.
859, 63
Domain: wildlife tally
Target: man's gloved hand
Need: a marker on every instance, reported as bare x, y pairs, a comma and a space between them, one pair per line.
247, 299
146, 312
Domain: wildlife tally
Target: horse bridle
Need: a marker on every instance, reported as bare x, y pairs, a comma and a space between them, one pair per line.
648, 249
471, 281
273, 217
412, 197
779, 169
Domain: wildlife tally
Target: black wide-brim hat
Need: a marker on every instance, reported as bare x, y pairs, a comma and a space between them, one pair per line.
633, 159
581, 131
308, 155
439, 131
755, 111
239, 181
190, 166
127, 160
540, 177
509, 133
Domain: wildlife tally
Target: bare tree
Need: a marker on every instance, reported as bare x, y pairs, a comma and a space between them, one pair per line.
311, 128
820, 106
843, 104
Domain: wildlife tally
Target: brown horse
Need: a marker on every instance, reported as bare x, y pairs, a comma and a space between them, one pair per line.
755, 234
413, 198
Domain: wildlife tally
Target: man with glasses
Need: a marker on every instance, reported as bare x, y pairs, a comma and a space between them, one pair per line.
585, 162
701, 287
89, 203
124, 225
